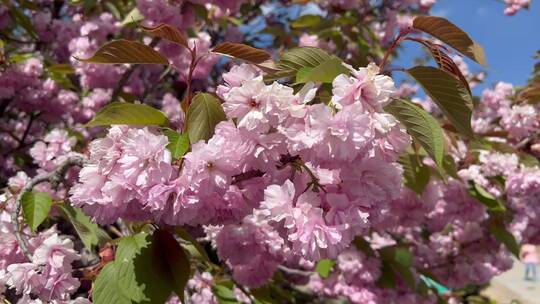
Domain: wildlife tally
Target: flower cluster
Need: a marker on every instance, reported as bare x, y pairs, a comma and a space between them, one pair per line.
513, 6
49, 275
319, 173
293, 175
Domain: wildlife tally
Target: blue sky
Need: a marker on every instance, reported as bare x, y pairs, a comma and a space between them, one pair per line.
509, 42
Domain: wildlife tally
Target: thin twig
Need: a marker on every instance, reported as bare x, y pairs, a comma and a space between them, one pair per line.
522, 144
295, 271
27, 130
123, 227
127, 74
392, 48
54, 178
150, 88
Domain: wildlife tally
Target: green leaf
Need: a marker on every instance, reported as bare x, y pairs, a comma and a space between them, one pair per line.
113, 9
415, 173
364, 246
89, 233
400, 260
306, 21
125, 283
497, 228
223, 291
403, 257
172, 262
107, 289
200, 252
486, 198
452, 35
122, 113
125, 51
449, 94
36, 207
324, 267
62, 80
146, 269
421, 126
263, 295
134, 16
295, 59
178, 143
445, 62
204, 113
528, 160
200, 11
387, 278
242, 51
450, 166
61, 69
324, 72
17, 58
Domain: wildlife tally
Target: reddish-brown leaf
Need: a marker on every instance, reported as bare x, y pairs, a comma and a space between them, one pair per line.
167, 32
452, 35
243, 52
126, 51
444, 62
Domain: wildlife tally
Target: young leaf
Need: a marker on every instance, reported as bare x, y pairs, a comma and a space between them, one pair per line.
421, 126
107, 287
324, 267
167, 32
178, 143
36, 207
486, 198
452, 35
204, 113
449, 94
122, 113
242, 51
324, 72
89, 233
125, 51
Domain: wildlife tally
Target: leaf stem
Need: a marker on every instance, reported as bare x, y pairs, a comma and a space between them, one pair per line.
402, 35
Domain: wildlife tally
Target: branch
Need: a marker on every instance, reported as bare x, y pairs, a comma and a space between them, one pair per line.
295, 271
123, 81
522, 144
128, 73
54, 178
